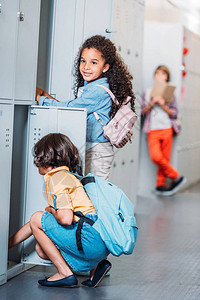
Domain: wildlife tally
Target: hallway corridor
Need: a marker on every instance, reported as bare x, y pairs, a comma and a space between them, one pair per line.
164, 265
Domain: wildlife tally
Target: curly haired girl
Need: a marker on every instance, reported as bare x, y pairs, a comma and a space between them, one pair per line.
97, 63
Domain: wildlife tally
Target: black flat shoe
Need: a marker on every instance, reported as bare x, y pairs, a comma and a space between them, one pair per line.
69, 281
103, 267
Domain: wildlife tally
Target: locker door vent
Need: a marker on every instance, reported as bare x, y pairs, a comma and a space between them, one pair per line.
7, 138
36, 135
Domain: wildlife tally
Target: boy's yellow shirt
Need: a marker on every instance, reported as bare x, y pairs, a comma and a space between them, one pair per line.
65, 191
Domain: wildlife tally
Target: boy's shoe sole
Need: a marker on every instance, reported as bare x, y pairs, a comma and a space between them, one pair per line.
174, 190
87, 273
103, 267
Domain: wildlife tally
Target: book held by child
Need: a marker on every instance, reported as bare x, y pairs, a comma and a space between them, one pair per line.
163, 89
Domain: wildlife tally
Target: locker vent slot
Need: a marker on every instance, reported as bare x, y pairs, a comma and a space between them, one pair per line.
36, 135
7, 138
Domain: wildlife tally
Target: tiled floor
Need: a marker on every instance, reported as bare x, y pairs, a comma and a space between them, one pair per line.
165, 263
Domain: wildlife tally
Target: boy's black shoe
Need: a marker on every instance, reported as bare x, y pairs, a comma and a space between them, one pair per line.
102, 268
69, 281
159, 189
175, 186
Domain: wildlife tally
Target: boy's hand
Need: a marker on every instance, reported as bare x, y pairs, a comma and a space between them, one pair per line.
49, 209
159, 100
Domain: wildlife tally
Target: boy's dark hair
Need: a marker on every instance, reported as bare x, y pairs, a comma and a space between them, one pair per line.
56, 149
118, 76
164, 69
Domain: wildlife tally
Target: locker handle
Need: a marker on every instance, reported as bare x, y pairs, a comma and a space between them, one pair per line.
110, 31
0, 8
20, 15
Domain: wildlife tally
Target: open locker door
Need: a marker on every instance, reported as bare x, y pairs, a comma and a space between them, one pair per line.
44, 120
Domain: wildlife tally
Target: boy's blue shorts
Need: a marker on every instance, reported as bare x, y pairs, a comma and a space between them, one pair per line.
64, 237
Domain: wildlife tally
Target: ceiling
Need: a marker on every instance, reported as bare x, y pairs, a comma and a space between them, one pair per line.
188, 12
191, 7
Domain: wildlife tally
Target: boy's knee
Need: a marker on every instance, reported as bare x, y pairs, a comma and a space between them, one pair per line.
156, 158
35, 220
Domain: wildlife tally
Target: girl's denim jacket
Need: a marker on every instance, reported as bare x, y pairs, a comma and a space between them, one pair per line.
147, 117
94, 99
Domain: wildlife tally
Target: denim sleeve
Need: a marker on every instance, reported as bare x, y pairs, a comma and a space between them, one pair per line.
45, 101
90, 99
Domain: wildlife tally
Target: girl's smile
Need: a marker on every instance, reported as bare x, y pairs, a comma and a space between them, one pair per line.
92, 64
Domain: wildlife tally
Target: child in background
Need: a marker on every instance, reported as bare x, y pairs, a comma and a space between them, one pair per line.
158, 124
55, 228
97, 63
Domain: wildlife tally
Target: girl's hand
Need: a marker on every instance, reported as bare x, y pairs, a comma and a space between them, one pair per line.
39, 93
125, 140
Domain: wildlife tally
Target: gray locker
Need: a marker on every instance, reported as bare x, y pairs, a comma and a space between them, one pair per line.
27, 49
73, 22
43, 120
19, 27
8, 36
6, 117
18, 178
62, 49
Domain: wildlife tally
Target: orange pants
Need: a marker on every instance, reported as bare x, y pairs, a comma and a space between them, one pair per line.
160, 144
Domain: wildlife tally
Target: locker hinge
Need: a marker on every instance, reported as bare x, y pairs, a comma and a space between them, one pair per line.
33, 111
20, 16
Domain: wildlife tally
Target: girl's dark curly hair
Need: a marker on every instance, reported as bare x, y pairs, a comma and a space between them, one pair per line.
56, 149
118, 76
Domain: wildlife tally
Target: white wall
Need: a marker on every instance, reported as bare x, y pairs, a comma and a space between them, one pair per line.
188, 148
163, 43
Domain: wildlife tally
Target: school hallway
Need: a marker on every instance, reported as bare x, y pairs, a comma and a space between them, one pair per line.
164, 265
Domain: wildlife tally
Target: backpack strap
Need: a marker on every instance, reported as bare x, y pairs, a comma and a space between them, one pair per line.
88, 179
114, 99
83, 219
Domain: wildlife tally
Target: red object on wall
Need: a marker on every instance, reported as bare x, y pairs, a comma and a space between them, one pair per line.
184, 73
185, 51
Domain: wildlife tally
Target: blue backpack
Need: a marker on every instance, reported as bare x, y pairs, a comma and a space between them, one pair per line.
116, 223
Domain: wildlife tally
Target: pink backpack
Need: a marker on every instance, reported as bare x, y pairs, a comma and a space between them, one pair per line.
119, 128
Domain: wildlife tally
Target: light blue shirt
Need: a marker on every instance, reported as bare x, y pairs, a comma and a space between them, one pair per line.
94, 99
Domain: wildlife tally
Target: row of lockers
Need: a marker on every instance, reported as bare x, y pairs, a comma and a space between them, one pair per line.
39, 47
